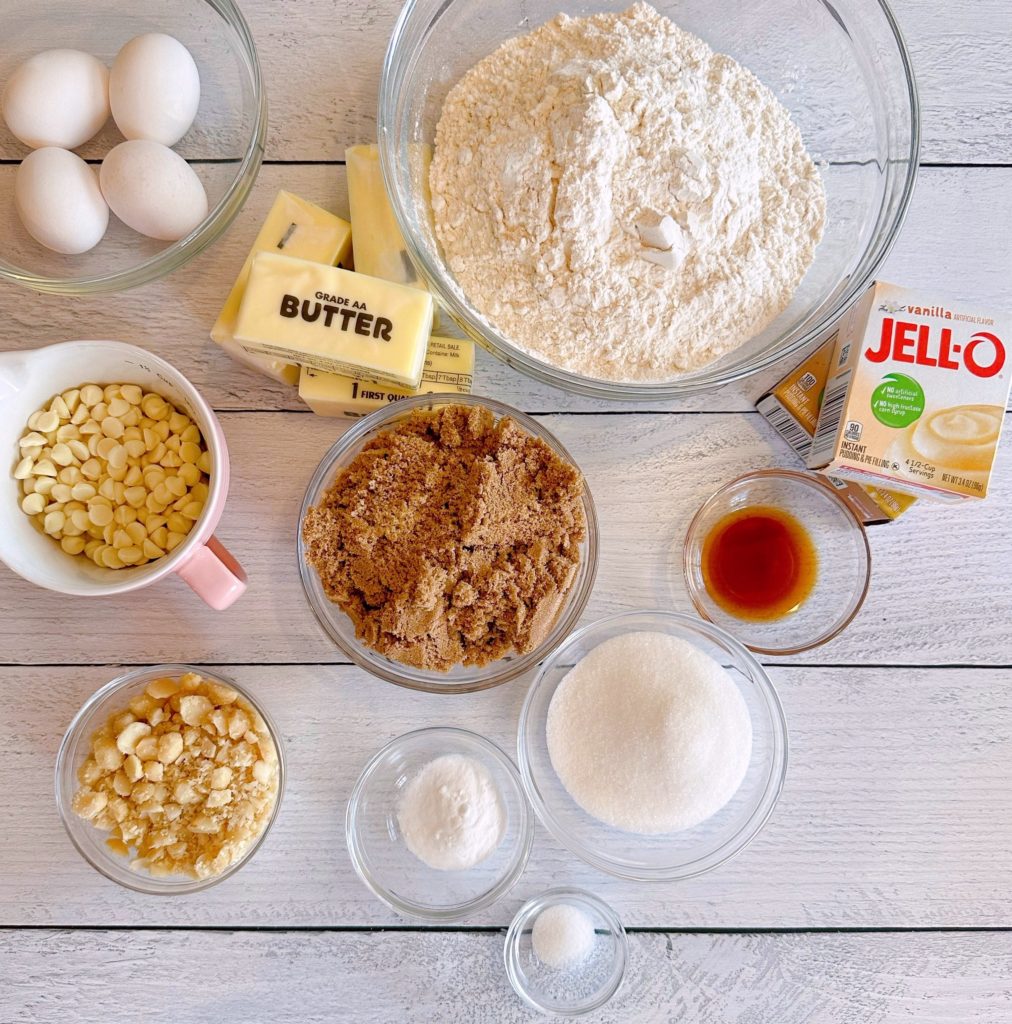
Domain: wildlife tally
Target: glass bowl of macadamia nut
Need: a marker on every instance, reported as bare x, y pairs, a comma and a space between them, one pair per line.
169, 779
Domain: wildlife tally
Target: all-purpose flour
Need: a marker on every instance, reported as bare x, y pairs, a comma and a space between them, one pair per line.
558, 154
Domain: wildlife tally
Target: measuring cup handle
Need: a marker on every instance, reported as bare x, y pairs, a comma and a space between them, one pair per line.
214, 575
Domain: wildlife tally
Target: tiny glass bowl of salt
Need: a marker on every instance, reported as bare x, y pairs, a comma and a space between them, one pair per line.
652, 745
566, 952
437, 825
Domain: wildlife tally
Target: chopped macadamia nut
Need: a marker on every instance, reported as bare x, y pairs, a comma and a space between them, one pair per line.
88, 803
161, 689
194, 709
184, 778
147, 748
170, 746
131, 735
107, 754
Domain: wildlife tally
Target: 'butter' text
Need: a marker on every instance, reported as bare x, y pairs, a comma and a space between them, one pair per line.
341, 317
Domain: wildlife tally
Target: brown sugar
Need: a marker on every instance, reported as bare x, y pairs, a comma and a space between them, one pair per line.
452, 538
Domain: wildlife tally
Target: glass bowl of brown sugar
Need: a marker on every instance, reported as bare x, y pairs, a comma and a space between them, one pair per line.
448, 543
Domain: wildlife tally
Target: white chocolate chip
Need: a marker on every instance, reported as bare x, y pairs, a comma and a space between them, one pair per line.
33, 504
47, 422
121, 444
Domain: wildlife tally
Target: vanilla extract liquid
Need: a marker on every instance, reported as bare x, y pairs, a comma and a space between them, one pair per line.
759, 563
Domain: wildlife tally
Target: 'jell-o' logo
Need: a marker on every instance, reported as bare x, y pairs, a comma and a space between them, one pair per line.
904, 342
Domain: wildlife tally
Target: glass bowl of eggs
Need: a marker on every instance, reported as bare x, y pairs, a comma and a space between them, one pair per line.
130, 134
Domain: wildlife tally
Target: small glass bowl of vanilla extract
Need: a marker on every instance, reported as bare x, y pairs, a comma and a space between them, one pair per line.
777, 559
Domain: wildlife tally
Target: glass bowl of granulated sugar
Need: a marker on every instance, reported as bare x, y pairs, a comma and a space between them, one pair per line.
652, 745
642, 218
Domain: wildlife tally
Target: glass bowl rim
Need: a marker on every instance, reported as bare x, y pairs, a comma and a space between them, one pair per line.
428, 681
156, 886
214, 224
549, 898
775, 776
708, 378
808, 480
457, 911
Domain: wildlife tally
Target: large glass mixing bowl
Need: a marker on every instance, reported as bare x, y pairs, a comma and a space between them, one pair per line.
840, 68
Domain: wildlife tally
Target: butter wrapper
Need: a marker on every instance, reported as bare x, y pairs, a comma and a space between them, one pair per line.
335, 320
295, 227
449, 368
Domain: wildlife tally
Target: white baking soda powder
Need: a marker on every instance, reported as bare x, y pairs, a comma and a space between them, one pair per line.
649, 734
451, 814
562, 936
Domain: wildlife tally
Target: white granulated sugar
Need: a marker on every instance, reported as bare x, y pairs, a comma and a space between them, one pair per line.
559, 155
649, 734
451, 814
562, 936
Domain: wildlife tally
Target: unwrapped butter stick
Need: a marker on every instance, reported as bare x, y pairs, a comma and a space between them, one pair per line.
334, 320
379, 246
294, 227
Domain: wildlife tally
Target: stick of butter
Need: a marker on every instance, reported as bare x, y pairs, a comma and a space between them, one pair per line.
379, 245
449, 367
334, 320
298, 228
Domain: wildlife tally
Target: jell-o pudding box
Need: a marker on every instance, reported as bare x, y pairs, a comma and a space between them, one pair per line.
916, 394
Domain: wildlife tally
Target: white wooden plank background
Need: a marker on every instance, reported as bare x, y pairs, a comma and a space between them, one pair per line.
897, 807
895, 812
648, 474
455, 978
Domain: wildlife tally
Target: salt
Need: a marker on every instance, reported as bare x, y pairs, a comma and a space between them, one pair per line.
562, 936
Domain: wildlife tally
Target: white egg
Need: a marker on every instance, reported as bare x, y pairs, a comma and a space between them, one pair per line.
59, 202
154, 89
57, 98
152, 189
